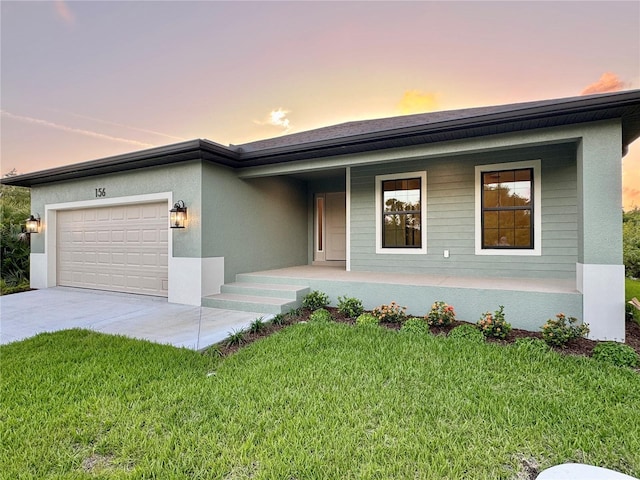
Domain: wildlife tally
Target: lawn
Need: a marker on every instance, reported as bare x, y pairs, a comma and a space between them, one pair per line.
312, 401
631, 288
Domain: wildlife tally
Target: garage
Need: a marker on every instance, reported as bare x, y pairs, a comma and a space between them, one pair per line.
121, 248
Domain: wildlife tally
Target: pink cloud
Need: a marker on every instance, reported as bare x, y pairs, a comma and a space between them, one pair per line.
608, 82
64, 12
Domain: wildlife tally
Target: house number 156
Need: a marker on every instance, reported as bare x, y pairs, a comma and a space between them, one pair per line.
101, 192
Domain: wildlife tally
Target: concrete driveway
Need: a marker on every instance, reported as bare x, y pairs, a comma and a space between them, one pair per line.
25, 314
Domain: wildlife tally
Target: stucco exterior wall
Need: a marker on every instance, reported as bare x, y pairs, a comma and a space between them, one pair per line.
254, 224
450, 204
183, 181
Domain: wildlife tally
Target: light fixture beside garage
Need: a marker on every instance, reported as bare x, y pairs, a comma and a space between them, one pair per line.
178, 215
32, 224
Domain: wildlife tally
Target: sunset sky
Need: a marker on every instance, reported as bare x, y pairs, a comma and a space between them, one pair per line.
85, 80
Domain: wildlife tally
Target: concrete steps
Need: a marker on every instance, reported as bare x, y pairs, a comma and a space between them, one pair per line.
252, 294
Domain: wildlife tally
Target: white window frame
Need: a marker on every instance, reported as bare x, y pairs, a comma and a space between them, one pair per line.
423, 213
537, 208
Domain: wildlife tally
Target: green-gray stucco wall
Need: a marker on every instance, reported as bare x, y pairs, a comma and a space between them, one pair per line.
255, 224
599, 176
183, 180
450, 205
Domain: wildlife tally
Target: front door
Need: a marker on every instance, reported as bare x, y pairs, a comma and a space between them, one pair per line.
331, 227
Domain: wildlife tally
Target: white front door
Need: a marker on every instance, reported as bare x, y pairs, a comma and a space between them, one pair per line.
336, 226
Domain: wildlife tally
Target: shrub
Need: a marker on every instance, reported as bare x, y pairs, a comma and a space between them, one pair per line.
532, 345
236, 337
617, 354
315, 300
279, 319
494, 324
467, 331
257, 325
349, 306
392, 313
559, 331
440, 315
366, 319
320, 315
629, 311
415, 325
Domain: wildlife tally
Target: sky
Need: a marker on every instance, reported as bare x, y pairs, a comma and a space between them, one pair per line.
90, 79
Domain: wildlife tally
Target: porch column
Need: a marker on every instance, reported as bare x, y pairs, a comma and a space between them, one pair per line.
599, 271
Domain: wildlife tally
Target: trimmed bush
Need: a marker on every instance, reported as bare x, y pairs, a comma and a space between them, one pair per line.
617, 354
415, 325
392, 313
349, 306
494, 324
440, 315
321, 315
467, 332
367, 320
561, 330
315, 300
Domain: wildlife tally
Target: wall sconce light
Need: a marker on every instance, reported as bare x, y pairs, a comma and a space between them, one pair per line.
32, 224
178, 215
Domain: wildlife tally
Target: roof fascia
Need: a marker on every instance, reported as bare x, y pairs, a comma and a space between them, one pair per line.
503, 141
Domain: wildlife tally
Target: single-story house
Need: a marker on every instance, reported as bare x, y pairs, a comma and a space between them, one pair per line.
516, 205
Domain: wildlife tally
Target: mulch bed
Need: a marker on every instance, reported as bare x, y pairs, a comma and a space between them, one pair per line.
580, 346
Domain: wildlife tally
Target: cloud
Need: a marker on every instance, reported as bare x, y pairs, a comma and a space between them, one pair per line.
277, 118
64, 12
87, 133
115, 124
608, 82
415, 101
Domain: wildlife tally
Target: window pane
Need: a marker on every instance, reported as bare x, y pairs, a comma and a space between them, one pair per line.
490, 237
506, 219
507, 176
522, 237
401, 195
402, 230
490, 219
523, 175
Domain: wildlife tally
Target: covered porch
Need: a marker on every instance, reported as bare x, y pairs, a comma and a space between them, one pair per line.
279, 290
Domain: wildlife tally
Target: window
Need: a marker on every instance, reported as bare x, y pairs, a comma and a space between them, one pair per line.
507, 206
400, 213
507, 209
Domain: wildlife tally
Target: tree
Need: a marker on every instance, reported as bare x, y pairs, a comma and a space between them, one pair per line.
631, 242
15, 207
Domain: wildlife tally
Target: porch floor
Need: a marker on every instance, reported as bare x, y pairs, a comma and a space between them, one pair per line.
338, 273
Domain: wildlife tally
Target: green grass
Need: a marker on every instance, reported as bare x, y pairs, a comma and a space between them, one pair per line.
313, 401
631, 289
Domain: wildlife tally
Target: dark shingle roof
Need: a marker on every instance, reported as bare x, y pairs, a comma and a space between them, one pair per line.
389, 124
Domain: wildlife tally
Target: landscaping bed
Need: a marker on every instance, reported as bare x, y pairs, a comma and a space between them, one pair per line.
577, 346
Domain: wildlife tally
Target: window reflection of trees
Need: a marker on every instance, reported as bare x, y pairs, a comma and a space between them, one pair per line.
402, 223
507, 207
402, 219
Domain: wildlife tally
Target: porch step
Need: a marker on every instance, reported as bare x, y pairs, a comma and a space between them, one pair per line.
292, 292
260, 297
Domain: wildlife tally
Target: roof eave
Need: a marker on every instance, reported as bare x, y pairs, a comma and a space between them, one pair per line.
198, 149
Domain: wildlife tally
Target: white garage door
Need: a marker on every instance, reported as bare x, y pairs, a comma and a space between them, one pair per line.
121, 248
